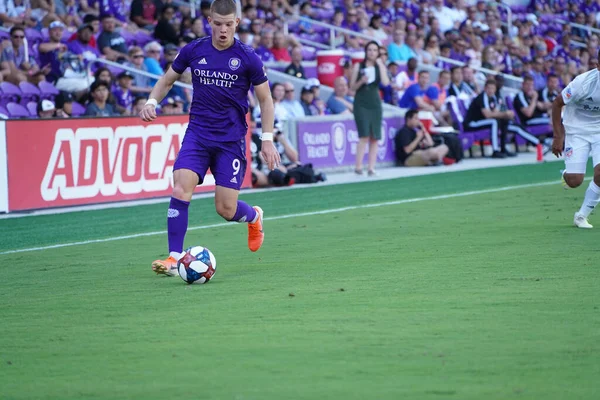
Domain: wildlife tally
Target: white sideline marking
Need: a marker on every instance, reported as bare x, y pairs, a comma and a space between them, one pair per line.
304, 214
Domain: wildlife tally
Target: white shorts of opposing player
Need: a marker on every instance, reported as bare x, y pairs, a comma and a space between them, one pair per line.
578, 149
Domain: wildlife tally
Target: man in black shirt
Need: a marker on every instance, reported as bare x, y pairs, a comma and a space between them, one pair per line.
527, 105
486, 113
548, 94
414, 146
295, 68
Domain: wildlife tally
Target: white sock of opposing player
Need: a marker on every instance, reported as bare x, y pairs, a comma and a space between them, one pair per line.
591, 200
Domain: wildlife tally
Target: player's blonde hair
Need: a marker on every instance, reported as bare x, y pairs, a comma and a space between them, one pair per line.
224, 7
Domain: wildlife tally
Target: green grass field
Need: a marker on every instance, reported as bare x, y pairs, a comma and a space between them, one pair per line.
481, 296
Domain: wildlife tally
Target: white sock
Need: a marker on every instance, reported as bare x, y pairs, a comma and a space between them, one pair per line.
255, 218
175, 255
591, 200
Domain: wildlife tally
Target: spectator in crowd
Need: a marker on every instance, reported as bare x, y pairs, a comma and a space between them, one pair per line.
144, 13
46, 109
368, 111
141, 83
98, 107
405, 79
538, 74
458, 86
485, 112
280, 48
138, 104
414, 96
81, 46
69, 14
307, 98
170, 52
50, 52
414, 146
432, 49
527, 106
103, 74
292, 106
15, 66
295, 68
110, 43
469, 79
123, 93
245, 35
549, 93
264, 49
165, 31
398, 50
340, 102
152, 51
172, 105
196, 31
94, 22
64, 105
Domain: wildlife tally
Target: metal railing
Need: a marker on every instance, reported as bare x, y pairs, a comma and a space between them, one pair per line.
332, 30
133, 71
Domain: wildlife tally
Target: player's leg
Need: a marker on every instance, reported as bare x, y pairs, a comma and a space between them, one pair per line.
592, 193
228, 166
373, 148
189, 170
361, 147
577, 151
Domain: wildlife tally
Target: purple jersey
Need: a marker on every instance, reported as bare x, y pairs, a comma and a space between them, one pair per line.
221, 80
124, 98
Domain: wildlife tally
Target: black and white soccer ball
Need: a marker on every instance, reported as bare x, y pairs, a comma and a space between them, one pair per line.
197, 265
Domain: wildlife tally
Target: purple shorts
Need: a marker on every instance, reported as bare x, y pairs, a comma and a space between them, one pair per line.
226, 160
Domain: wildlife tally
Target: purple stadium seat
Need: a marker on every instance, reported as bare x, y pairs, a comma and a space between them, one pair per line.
30, 92
33, 36
535, 130
32, 107
4, 35
142, 38
48, 90
78, 109
9, 93
128, 36
3, 113
16, 110
467, 137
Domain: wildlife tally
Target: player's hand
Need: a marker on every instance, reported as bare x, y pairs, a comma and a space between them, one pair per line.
148, 113
558, 144
509, 114
270, 154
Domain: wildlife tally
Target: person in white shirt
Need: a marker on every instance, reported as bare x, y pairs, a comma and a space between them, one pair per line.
578, 136
291, 105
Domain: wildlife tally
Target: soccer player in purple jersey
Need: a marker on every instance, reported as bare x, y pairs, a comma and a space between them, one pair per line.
222, 69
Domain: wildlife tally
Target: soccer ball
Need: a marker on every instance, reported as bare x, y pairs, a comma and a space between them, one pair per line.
198, 265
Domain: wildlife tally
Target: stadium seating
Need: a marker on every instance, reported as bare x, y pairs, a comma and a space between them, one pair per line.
9, 93
29, 92
16, 110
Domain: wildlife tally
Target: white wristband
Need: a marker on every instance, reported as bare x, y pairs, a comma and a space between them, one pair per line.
266, 136
152, 102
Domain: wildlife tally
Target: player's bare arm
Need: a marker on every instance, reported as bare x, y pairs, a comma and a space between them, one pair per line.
158, 93
267, 117
558, 142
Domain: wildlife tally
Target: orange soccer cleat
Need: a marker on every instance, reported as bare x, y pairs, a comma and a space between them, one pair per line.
256, 236
165, 267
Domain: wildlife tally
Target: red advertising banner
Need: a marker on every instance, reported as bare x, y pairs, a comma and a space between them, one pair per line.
55, 163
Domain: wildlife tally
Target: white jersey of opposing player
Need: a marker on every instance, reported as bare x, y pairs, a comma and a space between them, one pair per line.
581, 114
